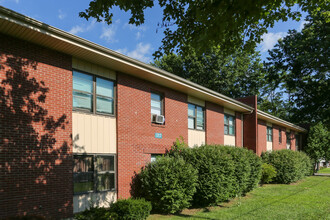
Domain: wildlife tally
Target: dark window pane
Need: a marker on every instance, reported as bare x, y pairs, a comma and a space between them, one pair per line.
105, 181
83, 174
226, 129
105, 163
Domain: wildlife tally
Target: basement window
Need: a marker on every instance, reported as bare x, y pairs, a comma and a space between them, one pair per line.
93, 173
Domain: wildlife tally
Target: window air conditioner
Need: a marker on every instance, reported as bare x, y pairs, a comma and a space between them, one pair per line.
159, 119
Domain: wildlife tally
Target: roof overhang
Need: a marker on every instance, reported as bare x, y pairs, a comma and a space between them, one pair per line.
270, 118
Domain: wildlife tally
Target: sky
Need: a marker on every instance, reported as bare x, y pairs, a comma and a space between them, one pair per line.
136, 42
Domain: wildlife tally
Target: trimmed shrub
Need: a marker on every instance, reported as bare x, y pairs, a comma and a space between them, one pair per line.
256, 170
290, 166
94, 213
215, 174
169, 184
268, 173
130, 209
223, 171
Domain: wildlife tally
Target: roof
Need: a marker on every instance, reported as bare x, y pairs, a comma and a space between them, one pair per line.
29, 29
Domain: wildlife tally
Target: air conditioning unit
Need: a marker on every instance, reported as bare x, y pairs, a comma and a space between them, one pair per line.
159, 119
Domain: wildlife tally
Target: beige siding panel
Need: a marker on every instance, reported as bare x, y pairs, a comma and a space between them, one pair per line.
229, 111
269, 146
94, 133
269, 124
196, 138
101, 199
196, 101
93, 68
229, 140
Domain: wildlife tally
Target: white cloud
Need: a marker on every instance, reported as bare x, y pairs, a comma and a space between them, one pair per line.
61, 14
82, 28
138, 35
133, 27
302, 24
140, 52
269, 40
109, 32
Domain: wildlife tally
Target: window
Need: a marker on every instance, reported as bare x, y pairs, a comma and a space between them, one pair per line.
153, 157
195, 117
93, 173
156, 104
229, 125
280, 135
288, 140
93, 94
269, 134
83, 174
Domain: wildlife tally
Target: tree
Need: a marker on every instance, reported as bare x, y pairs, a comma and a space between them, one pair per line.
318, 143
298, 66
230, 24
237, 75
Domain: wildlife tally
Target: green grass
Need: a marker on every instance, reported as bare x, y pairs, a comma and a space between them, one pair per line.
307, 199
325, 170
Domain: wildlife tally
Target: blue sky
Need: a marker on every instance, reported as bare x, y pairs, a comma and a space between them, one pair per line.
136, 42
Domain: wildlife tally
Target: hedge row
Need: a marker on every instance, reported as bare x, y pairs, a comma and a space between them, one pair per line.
290, 166
199, 176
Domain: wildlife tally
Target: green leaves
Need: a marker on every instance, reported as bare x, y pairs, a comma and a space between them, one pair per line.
318, 143
204, 24
238, 75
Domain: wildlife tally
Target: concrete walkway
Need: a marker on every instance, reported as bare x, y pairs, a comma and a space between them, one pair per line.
321, 174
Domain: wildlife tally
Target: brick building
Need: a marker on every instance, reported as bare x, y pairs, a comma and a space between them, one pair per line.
78, 120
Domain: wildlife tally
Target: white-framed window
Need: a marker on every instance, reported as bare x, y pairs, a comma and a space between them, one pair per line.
156, 104
280, 135
269, 134
229, 125
93, 173
195, 117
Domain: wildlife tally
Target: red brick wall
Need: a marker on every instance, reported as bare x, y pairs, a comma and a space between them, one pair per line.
293, 141
35, 130
262, 137
238, 136
250, 127
275, 137
214, 124
136, 133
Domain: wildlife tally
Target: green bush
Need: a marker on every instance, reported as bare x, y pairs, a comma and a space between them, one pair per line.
130, 209
169, 183
268, 173
94, 213
215, 174
247, 169
290, 166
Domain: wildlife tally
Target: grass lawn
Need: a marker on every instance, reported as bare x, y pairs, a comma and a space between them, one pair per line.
326, 170
307, 199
